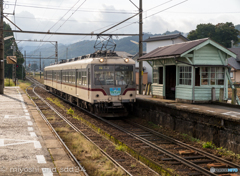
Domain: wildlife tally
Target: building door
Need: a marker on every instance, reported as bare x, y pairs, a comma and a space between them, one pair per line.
170, 82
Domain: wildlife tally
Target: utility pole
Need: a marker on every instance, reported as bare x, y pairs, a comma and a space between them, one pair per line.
66, 53
1, 50
14, 75
25, 58
40, 66
140, 88
56, 52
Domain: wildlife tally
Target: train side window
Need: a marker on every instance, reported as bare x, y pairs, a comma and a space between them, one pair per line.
67, 77
73, 77
84, 78
63, 80
80, 78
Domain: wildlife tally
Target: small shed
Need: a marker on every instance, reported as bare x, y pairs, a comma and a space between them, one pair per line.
187, 71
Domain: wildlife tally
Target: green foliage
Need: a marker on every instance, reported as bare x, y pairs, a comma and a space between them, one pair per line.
208, 145
222, 33
8, 82
120, 148
34, 67
70, 112
186, 136
9, 52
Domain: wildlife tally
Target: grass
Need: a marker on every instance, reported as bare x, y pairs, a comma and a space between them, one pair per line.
190, 138
89, 155
24, 84
8, 82
120, 148
56, 101
208, 145
37, 77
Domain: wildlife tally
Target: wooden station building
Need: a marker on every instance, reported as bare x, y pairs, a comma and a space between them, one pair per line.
186, 72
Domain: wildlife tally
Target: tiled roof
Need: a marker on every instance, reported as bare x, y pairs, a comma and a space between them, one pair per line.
236, 51
165, 37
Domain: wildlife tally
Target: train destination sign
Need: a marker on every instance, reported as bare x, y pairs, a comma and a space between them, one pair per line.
115, 91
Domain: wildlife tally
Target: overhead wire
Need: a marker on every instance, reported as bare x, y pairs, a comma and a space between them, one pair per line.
66, 19
151, 15
82, 10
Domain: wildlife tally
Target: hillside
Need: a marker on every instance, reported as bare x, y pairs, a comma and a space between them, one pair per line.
86, 47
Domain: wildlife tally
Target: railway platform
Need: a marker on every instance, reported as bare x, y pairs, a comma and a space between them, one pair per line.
218, 123
27, 146
227, 110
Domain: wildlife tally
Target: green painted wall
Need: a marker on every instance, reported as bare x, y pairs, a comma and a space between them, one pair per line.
207, 55
183, 92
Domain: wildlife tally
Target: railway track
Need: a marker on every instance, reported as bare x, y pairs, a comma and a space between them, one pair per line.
170, 151
94, 138
58, 137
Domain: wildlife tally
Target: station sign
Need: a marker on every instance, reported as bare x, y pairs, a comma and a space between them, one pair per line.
11, 59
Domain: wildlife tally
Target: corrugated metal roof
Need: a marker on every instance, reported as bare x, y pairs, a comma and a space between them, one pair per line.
165, 37
172, 50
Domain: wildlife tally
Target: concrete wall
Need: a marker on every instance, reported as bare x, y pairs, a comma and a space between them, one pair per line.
222, 131
153, 45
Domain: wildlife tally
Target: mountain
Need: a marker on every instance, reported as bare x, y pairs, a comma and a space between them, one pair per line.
87, 47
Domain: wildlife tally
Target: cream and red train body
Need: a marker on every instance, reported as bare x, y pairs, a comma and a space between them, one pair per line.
92, 82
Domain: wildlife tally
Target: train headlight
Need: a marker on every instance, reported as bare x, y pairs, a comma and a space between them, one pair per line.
126, 60
101, 60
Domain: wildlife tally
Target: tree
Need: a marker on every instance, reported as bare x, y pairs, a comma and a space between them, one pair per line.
9, 52
34, 67
222, 33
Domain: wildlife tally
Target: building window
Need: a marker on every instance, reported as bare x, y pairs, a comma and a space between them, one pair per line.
155, 75
231, 74
212, 76
185, 75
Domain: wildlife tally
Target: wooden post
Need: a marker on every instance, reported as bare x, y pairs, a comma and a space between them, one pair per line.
221, 95
234, 94
213, 94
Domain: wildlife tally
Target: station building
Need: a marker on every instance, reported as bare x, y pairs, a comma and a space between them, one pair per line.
186, 72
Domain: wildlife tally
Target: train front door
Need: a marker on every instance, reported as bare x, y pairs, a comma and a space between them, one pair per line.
170, 82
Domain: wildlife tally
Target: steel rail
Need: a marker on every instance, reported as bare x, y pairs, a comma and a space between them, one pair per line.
174, 156
79, 131
59, 138
206, 154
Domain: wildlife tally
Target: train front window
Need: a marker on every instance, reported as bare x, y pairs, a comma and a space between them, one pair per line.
103, 75
124, 75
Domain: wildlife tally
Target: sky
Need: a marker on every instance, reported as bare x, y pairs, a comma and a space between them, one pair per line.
88, 16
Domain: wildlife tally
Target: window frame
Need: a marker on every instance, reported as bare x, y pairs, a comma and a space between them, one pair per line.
184, 80
216, 78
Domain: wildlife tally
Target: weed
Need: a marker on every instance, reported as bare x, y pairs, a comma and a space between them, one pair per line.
56, 101
120, 148
133, 165
208, 145
70, 111
185, 135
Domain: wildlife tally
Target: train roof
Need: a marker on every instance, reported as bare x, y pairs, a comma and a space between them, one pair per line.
79, 64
